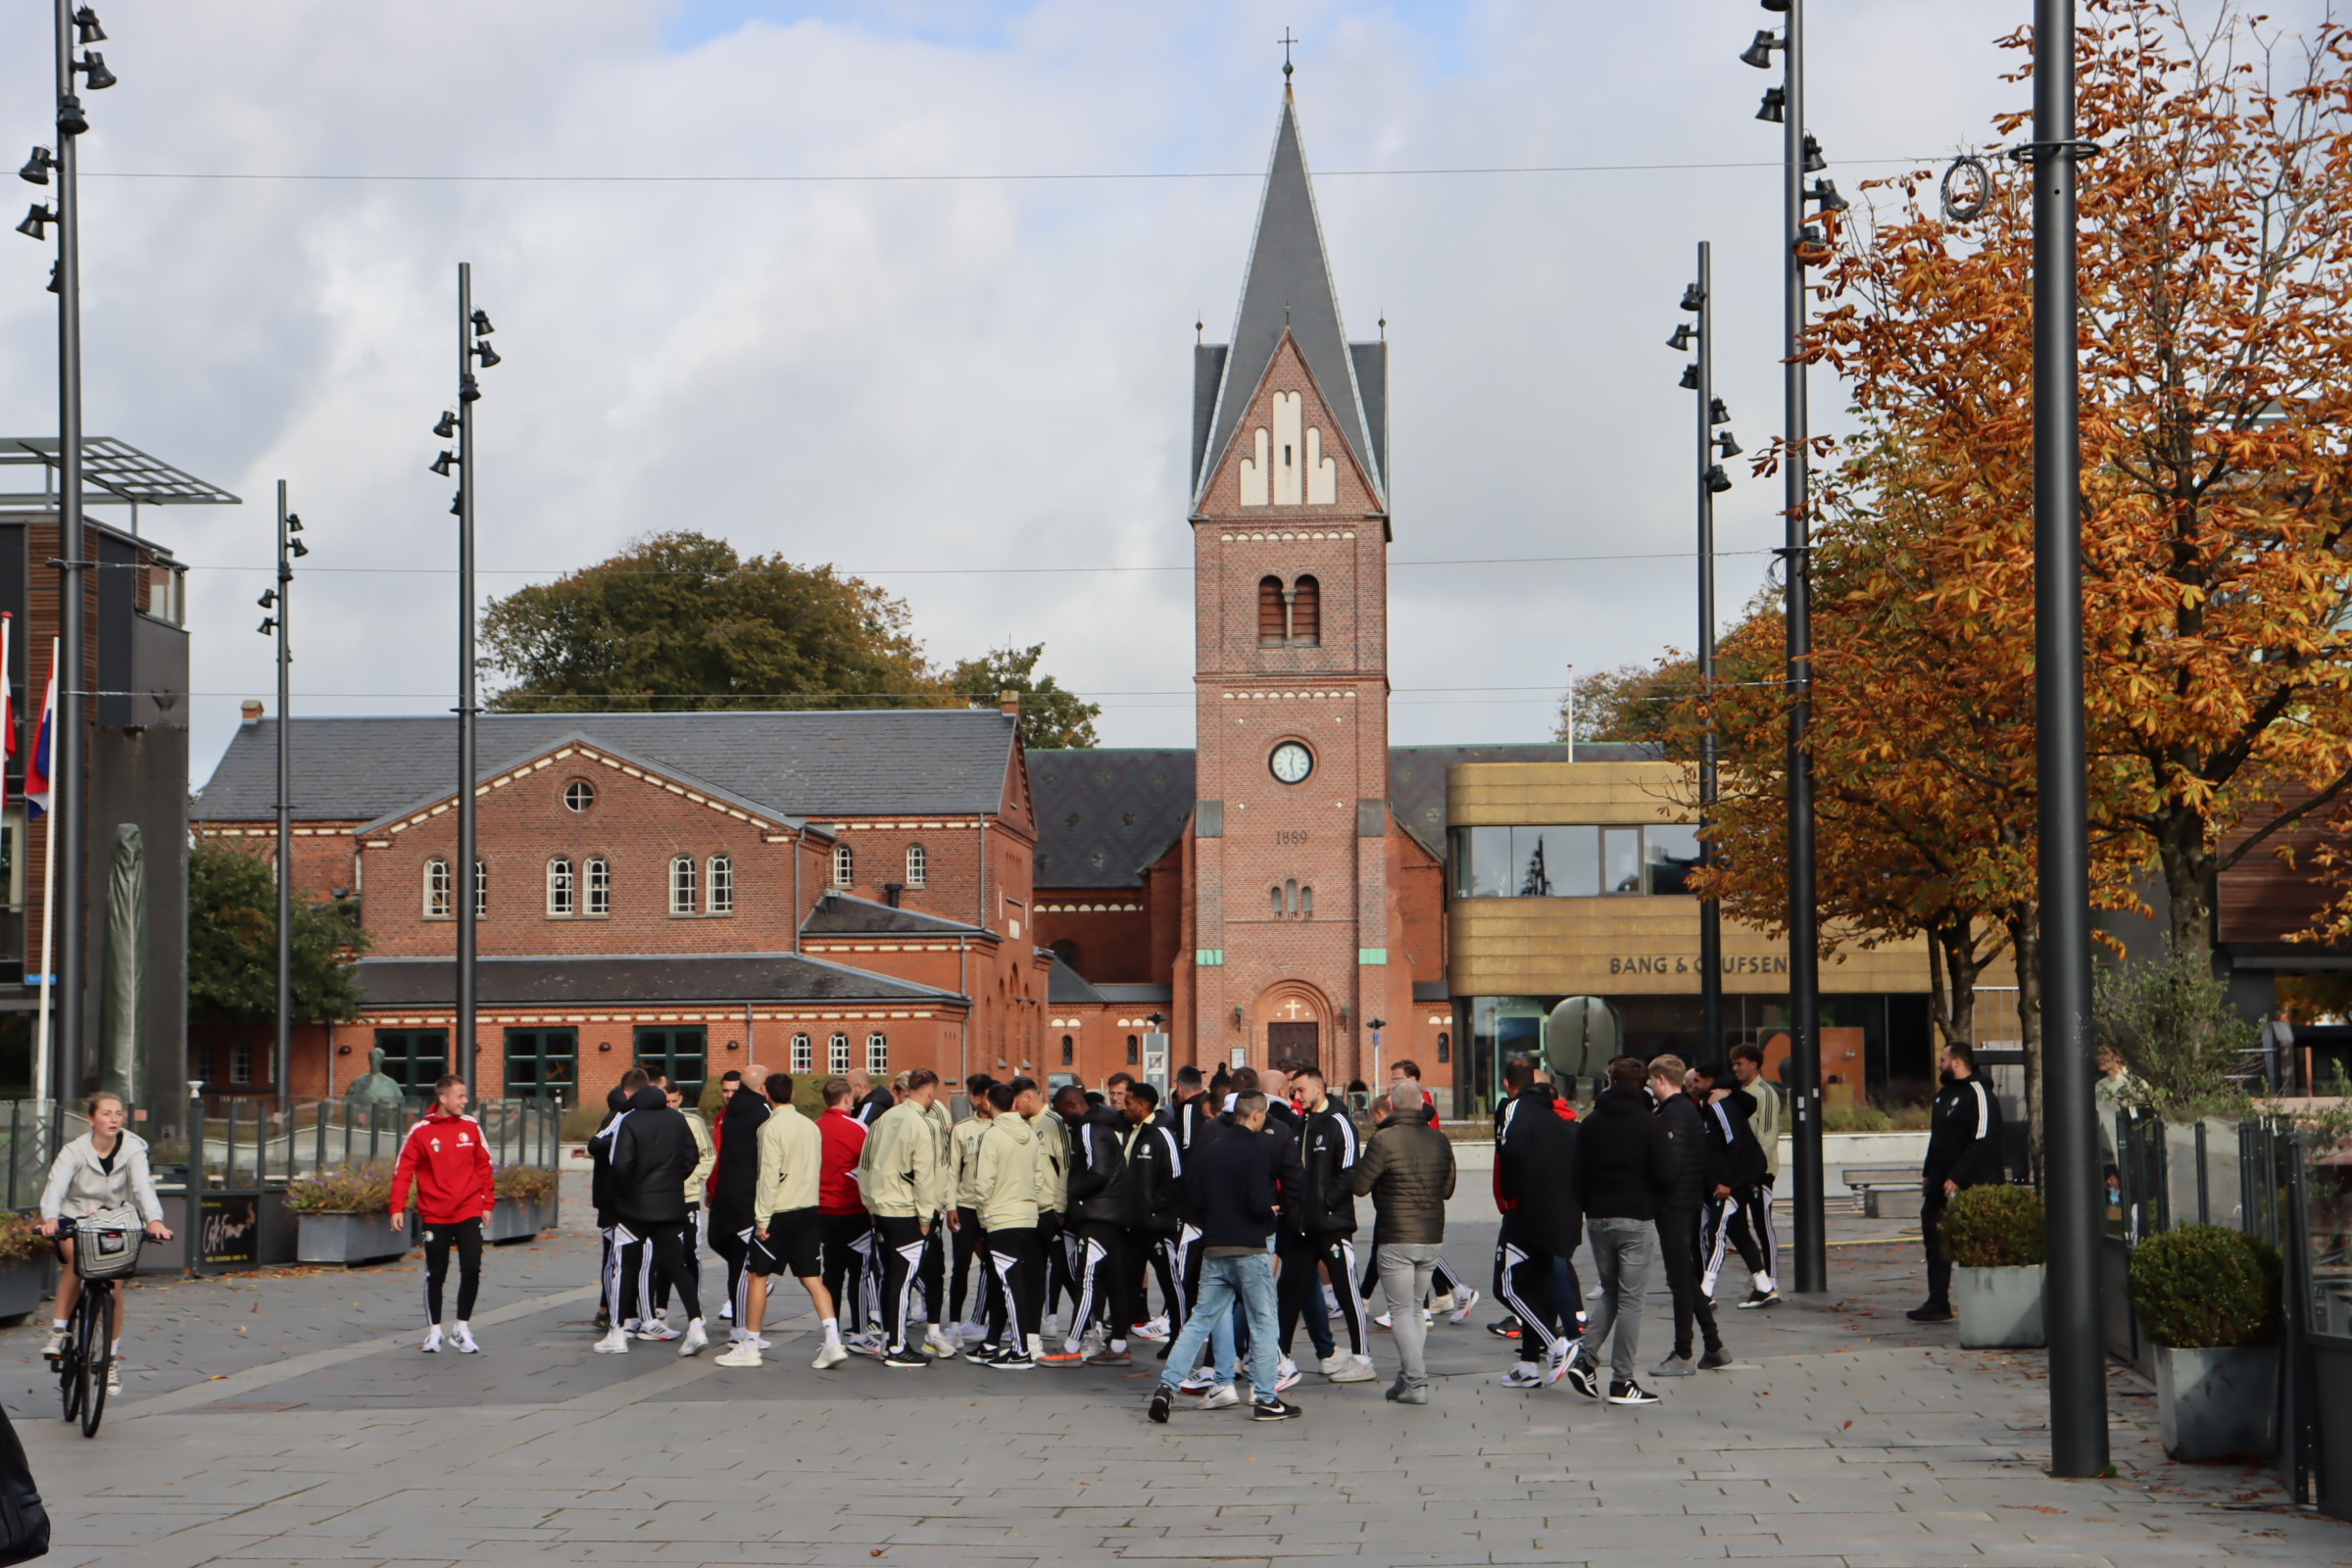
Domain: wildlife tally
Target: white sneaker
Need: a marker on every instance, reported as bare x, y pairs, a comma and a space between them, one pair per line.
655, 1329
740, 1355
463, 1338
1154, 1331
1382, 1322
971, 1329
1523, 1375
1332, 1362
1285, 1374
432, 1340
1201, 1381
726, 1311
940, 1343
831, 1355
1331, 1302
113, 1375
695, 1339
1219, 1397
616, 1343
1464, 1301
746, 1336
1052, 1329
56, 1344
1358, 1369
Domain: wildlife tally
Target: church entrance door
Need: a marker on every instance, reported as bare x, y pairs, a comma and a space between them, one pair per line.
1287, 1042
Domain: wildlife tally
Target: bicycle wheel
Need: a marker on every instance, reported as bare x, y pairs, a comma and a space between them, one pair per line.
97, 1353
72, 1366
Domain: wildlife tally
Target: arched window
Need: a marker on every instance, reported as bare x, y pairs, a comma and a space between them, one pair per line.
436, 889
1289, 891
803, 1055
837, 1054
918, 866
1135, 1051
1276, 895
481, 889
600, 885
1307, 903
1445, 1046
1069, 1052
560, 889
722, 885
1306, 612
1270, 620
681, 885
877, 1055
845, 865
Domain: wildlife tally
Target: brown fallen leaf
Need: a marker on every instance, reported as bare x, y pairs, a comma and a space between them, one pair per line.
1844, 1428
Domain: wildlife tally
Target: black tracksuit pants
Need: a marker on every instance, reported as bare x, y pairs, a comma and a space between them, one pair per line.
1102, 1277
964, 1247
1525, 1278
1678, 1245
1930, 1236
1298, 1292
731, 1239
903, 1246
666, 1249
1016, 1262
466, 1235
850, 1273
694, 1258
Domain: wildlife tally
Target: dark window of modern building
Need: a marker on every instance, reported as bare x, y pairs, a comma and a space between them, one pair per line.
1572, 860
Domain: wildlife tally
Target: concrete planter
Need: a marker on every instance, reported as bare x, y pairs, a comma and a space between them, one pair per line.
349, 1238
513, 1219
1998, 1308
24, 1283
2218, 1405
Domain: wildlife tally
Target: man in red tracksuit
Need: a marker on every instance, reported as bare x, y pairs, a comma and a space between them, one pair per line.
852, 1275
445, 1157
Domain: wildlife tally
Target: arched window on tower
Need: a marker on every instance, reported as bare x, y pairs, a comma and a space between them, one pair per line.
1069, 1052
1307, 903
1276, 894
1289, 891
1307, 613
1271, 622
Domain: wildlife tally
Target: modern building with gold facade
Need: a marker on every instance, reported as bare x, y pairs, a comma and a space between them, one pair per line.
1569, 879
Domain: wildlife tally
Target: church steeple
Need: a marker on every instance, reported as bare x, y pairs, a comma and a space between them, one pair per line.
1288, 289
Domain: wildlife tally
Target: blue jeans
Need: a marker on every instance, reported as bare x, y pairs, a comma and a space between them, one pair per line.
1250, 1280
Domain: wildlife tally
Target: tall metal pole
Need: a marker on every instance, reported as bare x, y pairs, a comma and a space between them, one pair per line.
69, 831
2078, 1355
1804, 947
282, 1059
468, 393
1710, 913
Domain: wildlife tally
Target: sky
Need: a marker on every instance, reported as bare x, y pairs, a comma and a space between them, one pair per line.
760, 270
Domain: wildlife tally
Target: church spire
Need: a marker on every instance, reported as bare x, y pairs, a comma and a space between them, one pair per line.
1288, 288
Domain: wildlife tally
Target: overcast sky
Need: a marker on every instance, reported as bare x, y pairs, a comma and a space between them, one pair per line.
926, 381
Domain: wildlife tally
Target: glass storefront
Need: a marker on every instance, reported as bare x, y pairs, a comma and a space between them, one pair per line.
1577, 860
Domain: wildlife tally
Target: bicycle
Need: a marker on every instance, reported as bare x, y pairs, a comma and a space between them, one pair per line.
86, 1357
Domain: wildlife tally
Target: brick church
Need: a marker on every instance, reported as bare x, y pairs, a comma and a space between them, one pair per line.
889, 889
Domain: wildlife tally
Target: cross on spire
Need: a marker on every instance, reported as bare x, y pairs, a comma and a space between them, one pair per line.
1286, 40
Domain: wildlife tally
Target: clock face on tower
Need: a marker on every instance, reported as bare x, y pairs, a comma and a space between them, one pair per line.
1291, 762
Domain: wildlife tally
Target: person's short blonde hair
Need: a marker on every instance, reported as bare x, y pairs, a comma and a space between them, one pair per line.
1668, 1066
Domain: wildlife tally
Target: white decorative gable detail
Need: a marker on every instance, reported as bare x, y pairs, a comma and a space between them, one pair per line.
1287, 466
1254, 472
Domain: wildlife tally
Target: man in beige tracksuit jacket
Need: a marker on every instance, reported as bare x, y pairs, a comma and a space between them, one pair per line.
902, 1175
787, 1235
1004, 1192
1052, 1200
964, 1220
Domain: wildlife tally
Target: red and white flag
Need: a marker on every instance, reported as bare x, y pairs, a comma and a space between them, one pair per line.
37, 765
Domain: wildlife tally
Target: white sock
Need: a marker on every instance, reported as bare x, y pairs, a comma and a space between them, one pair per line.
58, 1323
832, 1330
462, 1328
113, 1347
1118, 1346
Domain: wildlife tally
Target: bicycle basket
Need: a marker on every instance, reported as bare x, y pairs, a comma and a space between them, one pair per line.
106, 1245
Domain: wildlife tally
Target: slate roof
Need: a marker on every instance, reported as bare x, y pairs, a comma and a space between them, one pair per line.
1288, 287
1103, 815
839, 914
1064, 983
668, 771
948, 761
713, 978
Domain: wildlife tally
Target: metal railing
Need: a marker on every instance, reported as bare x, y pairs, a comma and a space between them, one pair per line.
248, 1146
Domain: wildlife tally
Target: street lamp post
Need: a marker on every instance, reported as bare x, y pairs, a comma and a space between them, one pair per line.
1700, 377
278, 600
2078, 1355
67, 830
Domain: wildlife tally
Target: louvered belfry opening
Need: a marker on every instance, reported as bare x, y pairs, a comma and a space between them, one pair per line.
1307, 613
1269, 612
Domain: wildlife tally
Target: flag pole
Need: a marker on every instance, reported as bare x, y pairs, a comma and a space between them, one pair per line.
40, 1048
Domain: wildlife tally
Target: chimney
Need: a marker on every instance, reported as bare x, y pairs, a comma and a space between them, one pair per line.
891, 891
1008, 702
253, 709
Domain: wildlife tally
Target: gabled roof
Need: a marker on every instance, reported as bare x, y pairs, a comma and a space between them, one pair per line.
634, 977
1288, 289
863, 762
1065, 985
576, 744
1104, 814
838, 914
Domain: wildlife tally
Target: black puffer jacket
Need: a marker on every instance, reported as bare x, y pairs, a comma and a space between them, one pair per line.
1327, 1155
737, 1173
1536, 1177
1407, 1168
1688, 1134
1624, 1160
1098, 1183
654, 1151
600, 1161
1734, 1159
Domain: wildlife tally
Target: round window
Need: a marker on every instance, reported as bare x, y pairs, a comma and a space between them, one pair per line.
1292, 762
579, 794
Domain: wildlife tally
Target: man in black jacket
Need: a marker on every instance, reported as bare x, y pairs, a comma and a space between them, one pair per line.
653, 1151
1625, 1163
1096, 1220
734, 1177
1191, 1117
1678, 1220
1964, 1149
1154, 1201
1734, 1165
1318, 1234
621, 1266
1535, 1186
1233, 1189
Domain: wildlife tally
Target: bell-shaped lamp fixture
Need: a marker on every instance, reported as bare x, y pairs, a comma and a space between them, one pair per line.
1814, 162
1775, 106
1690, 377
447, 430
481, 324
1825, 191
1727, 445
1682, 338
1693, 297
1759, 53
488, 355
468, 389
36, 168
268, 624
85, 24
268, 599
70, 120
293, 523
456, 504
37, 219
444, 463
1718, 481
298, 548
93, 68
1717, 414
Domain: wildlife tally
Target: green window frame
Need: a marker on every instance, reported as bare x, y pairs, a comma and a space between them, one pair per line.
543, 1061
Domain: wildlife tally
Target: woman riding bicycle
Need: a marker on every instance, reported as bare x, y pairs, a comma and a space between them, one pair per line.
106, 1169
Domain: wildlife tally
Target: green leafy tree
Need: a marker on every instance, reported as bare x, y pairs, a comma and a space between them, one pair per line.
2173, 1023
232, 944
1052, 719
679, 620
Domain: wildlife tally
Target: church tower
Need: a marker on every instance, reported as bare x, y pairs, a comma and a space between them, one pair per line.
1289, 917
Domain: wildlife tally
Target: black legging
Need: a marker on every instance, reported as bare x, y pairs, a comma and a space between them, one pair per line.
665, 1242
1016, 1304
960, 1246
466, 1234
1678, 1242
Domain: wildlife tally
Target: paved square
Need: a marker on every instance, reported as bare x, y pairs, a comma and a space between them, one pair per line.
288, 1419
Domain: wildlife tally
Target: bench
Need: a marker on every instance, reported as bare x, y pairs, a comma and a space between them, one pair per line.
1867, 1181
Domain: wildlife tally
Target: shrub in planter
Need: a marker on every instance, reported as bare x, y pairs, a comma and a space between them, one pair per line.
368, 1191
525, 1183
1995, 1226
2208, 1295
20, 1239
